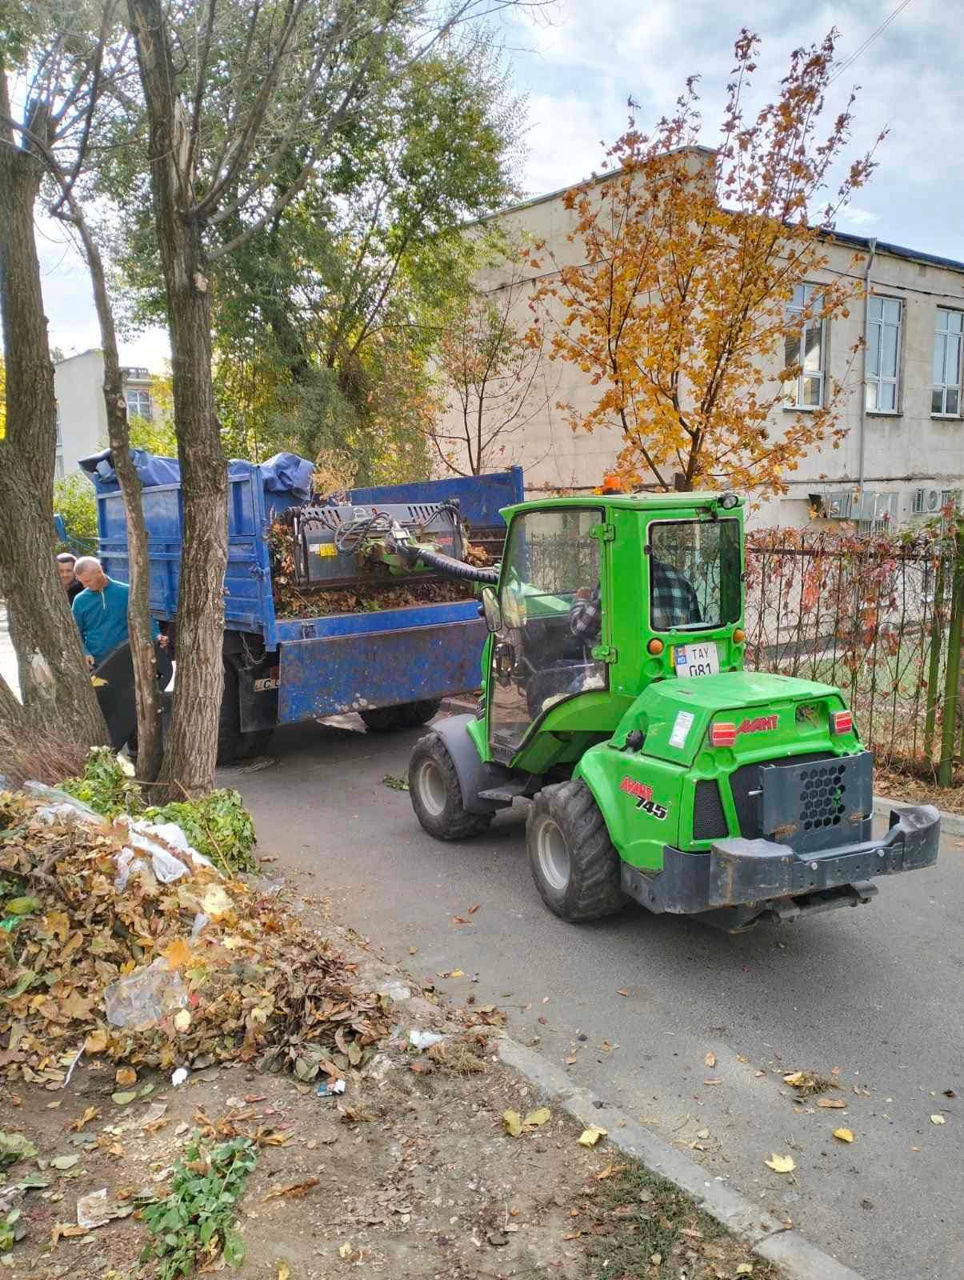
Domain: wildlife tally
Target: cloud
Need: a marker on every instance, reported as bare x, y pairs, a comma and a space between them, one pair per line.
582, 64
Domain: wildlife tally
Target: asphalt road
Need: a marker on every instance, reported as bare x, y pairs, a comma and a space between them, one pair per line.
639, 1001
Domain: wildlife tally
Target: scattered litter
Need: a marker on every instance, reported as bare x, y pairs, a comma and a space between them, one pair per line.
843, 1135
396, 991
345, 1250
179, 1076
937, 1119
834, 1103
93, 1210
424, 1039
330, 1088
141, 999
393, 783
590, 1136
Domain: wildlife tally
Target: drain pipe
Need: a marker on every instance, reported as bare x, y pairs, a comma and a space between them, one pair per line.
863, 381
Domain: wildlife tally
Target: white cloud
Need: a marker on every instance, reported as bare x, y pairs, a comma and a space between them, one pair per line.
581, 67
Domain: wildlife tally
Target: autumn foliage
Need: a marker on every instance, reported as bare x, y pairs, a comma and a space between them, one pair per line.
678, 309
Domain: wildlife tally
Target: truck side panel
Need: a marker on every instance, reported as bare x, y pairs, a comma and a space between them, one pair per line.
328, 675
248, 604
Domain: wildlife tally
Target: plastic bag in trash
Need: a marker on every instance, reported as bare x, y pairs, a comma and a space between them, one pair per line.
424, 1039
62, 804
156, 840
142, 998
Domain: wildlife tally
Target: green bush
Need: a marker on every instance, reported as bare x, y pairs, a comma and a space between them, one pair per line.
217, 825
74, 500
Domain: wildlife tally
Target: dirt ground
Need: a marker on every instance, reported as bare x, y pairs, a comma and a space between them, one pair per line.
409, 1173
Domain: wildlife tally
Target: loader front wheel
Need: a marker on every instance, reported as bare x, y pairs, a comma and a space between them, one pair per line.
433, 785
572, 859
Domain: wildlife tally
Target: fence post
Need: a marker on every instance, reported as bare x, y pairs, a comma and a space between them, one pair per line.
934, 664
945, 770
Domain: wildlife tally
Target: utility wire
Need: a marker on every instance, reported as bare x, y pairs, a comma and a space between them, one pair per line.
868, 42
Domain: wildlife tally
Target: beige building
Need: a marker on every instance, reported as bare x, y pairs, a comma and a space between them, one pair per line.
903, 453
81, 412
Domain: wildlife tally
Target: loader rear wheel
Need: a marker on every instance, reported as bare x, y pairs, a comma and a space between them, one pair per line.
433, 784
407, 715
572, 859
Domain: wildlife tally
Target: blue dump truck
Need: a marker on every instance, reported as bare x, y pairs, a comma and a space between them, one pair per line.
326, 609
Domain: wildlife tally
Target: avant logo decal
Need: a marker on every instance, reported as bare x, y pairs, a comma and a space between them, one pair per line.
644, 797
762, 724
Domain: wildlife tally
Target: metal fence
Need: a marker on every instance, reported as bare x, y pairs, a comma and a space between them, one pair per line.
880, 617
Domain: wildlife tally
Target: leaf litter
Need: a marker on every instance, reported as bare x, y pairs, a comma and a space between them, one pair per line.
259, 986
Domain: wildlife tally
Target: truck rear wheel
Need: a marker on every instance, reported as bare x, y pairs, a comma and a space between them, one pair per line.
408, 715
572, 859
433, 784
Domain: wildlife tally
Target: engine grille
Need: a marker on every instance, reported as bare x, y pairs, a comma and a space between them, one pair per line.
818, 805
709, 820
747, 789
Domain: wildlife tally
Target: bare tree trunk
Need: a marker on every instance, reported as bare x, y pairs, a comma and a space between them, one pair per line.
140, 627
55, 689
191, 753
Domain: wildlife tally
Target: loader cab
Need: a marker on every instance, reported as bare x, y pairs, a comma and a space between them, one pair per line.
599, 597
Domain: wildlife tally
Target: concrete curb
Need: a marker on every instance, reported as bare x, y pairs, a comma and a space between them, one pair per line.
788, 1249
952, 824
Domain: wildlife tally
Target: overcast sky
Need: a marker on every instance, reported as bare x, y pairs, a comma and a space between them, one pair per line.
577, 63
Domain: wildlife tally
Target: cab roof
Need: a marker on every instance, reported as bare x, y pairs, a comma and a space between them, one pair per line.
633, 501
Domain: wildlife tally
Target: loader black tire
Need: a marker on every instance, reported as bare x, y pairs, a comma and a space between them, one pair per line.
436, 795
407, 715
572, 859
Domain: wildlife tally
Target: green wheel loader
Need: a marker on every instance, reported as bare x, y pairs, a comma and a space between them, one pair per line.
658, 769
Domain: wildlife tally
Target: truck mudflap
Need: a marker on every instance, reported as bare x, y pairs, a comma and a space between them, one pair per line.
740, 880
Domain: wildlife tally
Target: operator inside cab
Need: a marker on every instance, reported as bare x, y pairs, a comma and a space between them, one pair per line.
673, 603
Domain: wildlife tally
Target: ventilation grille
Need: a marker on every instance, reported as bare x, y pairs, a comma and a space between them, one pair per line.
709, 820
822, 796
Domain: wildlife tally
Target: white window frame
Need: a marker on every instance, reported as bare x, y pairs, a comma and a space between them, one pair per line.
794, 389
138, 392
874, 378
941, 335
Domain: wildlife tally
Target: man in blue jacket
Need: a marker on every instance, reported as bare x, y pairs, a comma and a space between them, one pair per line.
100, 610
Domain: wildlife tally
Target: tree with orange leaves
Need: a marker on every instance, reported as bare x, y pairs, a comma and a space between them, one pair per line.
695, 309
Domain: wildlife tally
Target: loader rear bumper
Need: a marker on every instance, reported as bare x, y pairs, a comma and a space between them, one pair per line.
760, 876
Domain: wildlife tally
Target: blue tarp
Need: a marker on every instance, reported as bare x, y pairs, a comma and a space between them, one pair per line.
284, 473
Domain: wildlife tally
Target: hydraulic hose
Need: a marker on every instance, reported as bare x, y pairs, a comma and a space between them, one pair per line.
457, 568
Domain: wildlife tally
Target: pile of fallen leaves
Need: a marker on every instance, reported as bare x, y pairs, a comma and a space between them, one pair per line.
203, 969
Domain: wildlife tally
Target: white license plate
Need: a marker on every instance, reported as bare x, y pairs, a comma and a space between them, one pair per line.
697, 659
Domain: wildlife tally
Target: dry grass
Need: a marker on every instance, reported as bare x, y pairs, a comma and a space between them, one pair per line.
42, 758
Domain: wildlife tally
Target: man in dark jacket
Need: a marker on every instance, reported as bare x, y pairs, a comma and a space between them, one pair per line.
65, 571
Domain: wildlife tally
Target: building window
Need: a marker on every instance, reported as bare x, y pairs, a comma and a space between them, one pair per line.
946, 395
805, 349
139, 404
884, 320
